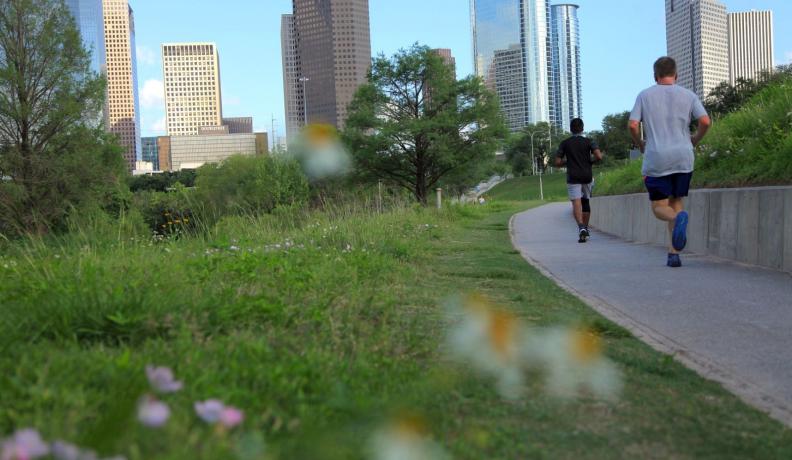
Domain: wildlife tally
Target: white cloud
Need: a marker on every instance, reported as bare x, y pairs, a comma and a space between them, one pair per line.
788, 57
159, 126
231, 101
152, 95
145, 56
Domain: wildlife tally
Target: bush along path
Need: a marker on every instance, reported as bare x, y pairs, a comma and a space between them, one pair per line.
413, 334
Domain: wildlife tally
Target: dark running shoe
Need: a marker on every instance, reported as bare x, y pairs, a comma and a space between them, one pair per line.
674, 261
679, 235
583, 235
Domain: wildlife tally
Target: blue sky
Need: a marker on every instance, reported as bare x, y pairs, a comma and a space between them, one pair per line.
619, 38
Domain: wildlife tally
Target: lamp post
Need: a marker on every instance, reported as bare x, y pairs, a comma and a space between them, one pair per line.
305, 80
533, 160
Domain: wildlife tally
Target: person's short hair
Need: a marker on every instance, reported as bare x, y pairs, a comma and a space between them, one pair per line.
665, 67
576, 126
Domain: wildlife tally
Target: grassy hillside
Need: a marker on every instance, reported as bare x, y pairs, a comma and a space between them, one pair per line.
321, 327
527, 188
751, 147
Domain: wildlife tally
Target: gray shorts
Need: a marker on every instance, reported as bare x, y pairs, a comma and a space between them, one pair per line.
578, 191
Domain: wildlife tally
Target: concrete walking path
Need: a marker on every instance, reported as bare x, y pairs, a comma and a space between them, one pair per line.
731, 323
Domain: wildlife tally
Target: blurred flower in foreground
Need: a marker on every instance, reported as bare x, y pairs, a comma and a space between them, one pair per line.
214, 411
490, 340
24, 445
153, 413
405, 438
320, 152
162, 380
62, 450
574, 362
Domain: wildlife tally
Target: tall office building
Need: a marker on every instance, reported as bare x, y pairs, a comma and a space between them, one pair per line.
332, 43
696, 35
192, 87
123, 109
90, 22
567, 91
292, 85
512, 53
751, 47
447, 57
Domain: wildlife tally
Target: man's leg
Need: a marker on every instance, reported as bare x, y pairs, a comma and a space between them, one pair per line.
667, 210
577, 211
586, 205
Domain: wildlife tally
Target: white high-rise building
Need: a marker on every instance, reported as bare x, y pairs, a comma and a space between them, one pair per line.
697, 37
751, 48
123, 110
192, 87
567, 81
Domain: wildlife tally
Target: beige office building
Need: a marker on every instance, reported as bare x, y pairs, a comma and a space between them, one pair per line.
192, 87
327, 52
697, 37
192, 152
751, 49
122, 110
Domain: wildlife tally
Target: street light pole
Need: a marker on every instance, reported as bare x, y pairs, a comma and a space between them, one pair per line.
305, 80
533, 160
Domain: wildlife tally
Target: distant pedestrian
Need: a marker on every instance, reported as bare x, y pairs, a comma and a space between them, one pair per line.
666, 111
578, 153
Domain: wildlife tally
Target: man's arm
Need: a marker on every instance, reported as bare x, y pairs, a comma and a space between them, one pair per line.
635, 131
560, 159
597, 155
559, 162
704, 124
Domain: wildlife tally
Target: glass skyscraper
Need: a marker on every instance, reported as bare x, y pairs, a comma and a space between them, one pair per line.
567, 91
90, 21
150, 148
512, 53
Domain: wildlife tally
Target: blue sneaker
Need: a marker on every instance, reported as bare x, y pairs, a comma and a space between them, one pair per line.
674, 261
679, 235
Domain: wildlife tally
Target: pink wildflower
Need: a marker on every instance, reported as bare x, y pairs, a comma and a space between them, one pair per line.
162, 380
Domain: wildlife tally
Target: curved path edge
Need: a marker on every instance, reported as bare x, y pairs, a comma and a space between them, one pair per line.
747, 391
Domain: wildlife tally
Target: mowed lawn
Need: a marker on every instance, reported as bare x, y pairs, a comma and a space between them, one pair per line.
319, 327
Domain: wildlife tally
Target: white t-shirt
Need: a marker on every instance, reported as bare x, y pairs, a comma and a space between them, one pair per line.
666, 111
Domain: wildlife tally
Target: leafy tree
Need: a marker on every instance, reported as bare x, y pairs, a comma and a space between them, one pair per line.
614, 140
545, 139
413, 124
53, 157
163, 181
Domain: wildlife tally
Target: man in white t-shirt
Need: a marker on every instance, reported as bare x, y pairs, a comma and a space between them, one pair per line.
666, 111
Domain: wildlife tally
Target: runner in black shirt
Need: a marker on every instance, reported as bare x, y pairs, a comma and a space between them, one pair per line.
578, 153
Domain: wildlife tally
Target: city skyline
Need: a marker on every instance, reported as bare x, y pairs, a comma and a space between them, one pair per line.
615, 64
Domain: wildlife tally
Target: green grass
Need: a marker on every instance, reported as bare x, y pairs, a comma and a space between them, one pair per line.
751, 147
526, 188
319, 341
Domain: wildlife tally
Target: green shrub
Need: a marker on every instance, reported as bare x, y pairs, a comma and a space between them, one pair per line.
250, 184
167, 213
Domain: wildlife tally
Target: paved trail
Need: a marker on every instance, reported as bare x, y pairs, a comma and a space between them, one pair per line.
731, 323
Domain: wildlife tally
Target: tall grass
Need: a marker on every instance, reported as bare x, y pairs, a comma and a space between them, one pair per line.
290, 315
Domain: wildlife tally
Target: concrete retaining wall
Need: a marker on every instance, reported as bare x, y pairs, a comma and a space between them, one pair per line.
750, 225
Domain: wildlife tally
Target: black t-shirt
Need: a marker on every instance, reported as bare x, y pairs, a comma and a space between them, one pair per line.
578, 150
